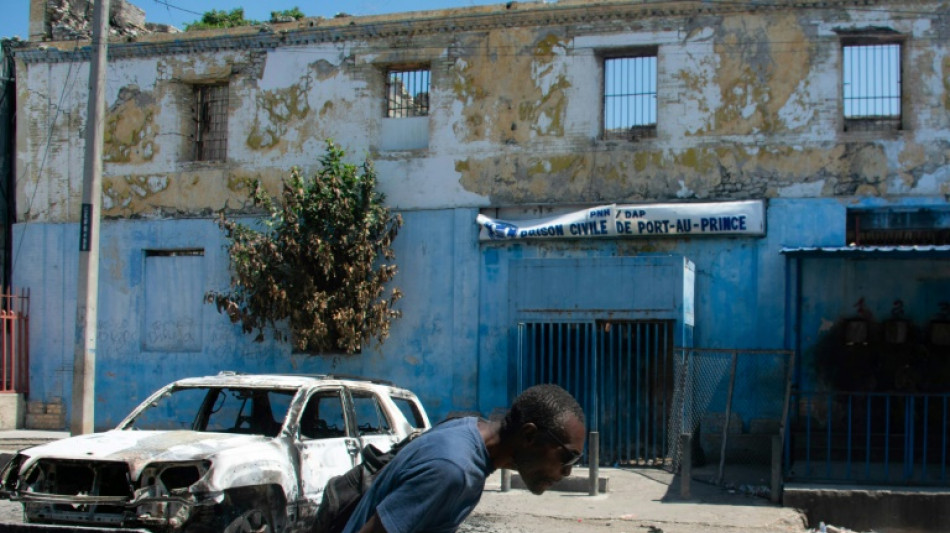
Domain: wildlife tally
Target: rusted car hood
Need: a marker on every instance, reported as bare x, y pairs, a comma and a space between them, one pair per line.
139, 448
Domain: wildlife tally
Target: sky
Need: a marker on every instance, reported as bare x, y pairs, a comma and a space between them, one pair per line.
179, 12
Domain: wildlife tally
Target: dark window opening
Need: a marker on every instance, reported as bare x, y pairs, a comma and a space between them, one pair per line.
370, 419
181, 252
880, 227
323, 417
211, 122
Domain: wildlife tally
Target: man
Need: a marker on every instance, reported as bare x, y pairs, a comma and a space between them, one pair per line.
433, 483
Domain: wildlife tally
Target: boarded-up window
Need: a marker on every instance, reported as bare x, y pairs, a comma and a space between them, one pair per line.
174, 286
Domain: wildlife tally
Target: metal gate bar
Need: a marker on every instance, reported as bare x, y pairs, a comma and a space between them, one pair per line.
620, 373
904, 437
15, 341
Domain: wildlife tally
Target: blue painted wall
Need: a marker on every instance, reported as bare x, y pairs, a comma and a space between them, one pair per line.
430, 349
454, 342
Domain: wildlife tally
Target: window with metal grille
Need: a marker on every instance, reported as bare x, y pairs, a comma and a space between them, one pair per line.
211, 122
407, 93
898, 227
630, 96
871, 75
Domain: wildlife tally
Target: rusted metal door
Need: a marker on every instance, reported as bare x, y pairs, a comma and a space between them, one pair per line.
620, 372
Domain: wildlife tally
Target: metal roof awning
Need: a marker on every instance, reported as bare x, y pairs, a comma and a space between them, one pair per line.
872, 252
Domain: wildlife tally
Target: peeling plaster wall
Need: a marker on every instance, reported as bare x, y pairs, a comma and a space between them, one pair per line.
748, 108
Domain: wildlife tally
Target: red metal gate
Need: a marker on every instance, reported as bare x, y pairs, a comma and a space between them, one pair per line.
15, 342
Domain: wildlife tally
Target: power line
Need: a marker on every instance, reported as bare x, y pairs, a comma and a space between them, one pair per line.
169, 6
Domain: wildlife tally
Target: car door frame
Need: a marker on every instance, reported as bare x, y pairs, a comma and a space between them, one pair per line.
314, 454
382, 441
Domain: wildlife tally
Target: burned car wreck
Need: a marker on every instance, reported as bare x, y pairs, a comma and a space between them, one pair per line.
232, 452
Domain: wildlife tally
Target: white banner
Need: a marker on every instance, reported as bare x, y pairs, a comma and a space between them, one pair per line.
649, 220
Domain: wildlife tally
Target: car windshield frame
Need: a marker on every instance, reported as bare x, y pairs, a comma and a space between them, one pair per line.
218, 408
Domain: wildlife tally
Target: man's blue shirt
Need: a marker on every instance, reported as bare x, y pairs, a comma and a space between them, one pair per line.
432, 484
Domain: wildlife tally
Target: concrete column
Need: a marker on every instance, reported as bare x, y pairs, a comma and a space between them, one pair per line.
12, 410
776, 487
37, 26
686, 464
593, 458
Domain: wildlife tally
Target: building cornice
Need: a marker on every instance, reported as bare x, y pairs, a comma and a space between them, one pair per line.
428, 23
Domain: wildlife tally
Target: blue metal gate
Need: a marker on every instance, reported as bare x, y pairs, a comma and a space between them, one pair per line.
621, 373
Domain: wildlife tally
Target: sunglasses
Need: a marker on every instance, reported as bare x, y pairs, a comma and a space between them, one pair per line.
573, 456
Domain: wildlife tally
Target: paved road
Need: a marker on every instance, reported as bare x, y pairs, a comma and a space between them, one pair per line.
481, 522
637, 502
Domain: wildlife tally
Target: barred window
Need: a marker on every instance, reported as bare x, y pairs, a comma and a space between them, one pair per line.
211, 122
898, 226
407, 93
630, 96
872, 86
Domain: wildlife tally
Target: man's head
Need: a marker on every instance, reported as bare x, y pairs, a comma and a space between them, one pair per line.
545, 426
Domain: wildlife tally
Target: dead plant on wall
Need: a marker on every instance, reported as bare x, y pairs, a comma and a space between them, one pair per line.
319, 262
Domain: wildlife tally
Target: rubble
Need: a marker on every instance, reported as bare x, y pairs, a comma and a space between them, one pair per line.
72, 20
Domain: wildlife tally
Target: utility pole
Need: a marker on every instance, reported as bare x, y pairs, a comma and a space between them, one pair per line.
87, 297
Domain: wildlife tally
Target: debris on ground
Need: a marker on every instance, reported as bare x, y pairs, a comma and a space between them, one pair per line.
761, 491
828, 528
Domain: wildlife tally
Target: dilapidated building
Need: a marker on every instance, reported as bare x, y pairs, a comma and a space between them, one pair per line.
587, 188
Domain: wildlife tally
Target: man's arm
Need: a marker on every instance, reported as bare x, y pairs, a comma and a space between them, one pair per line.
374, 525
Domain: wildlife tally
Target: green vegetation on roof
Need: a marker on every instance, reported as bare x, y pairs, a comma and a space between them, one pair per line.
215, 19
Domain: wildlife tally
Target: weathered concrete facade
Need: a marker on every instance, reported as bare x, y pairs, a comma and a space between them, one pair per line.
748, 107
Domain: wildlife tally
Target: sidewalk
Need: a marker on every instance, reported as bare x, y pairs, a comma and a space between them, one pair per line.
636, 500
12, 440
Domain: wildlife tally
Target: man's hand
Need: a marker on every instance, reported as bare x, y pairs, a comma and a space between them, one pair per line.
374, 525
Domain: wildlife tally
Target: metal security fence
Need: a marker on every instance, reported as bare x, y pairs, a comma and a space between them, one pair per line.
869, 437
733, 403
621, 374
